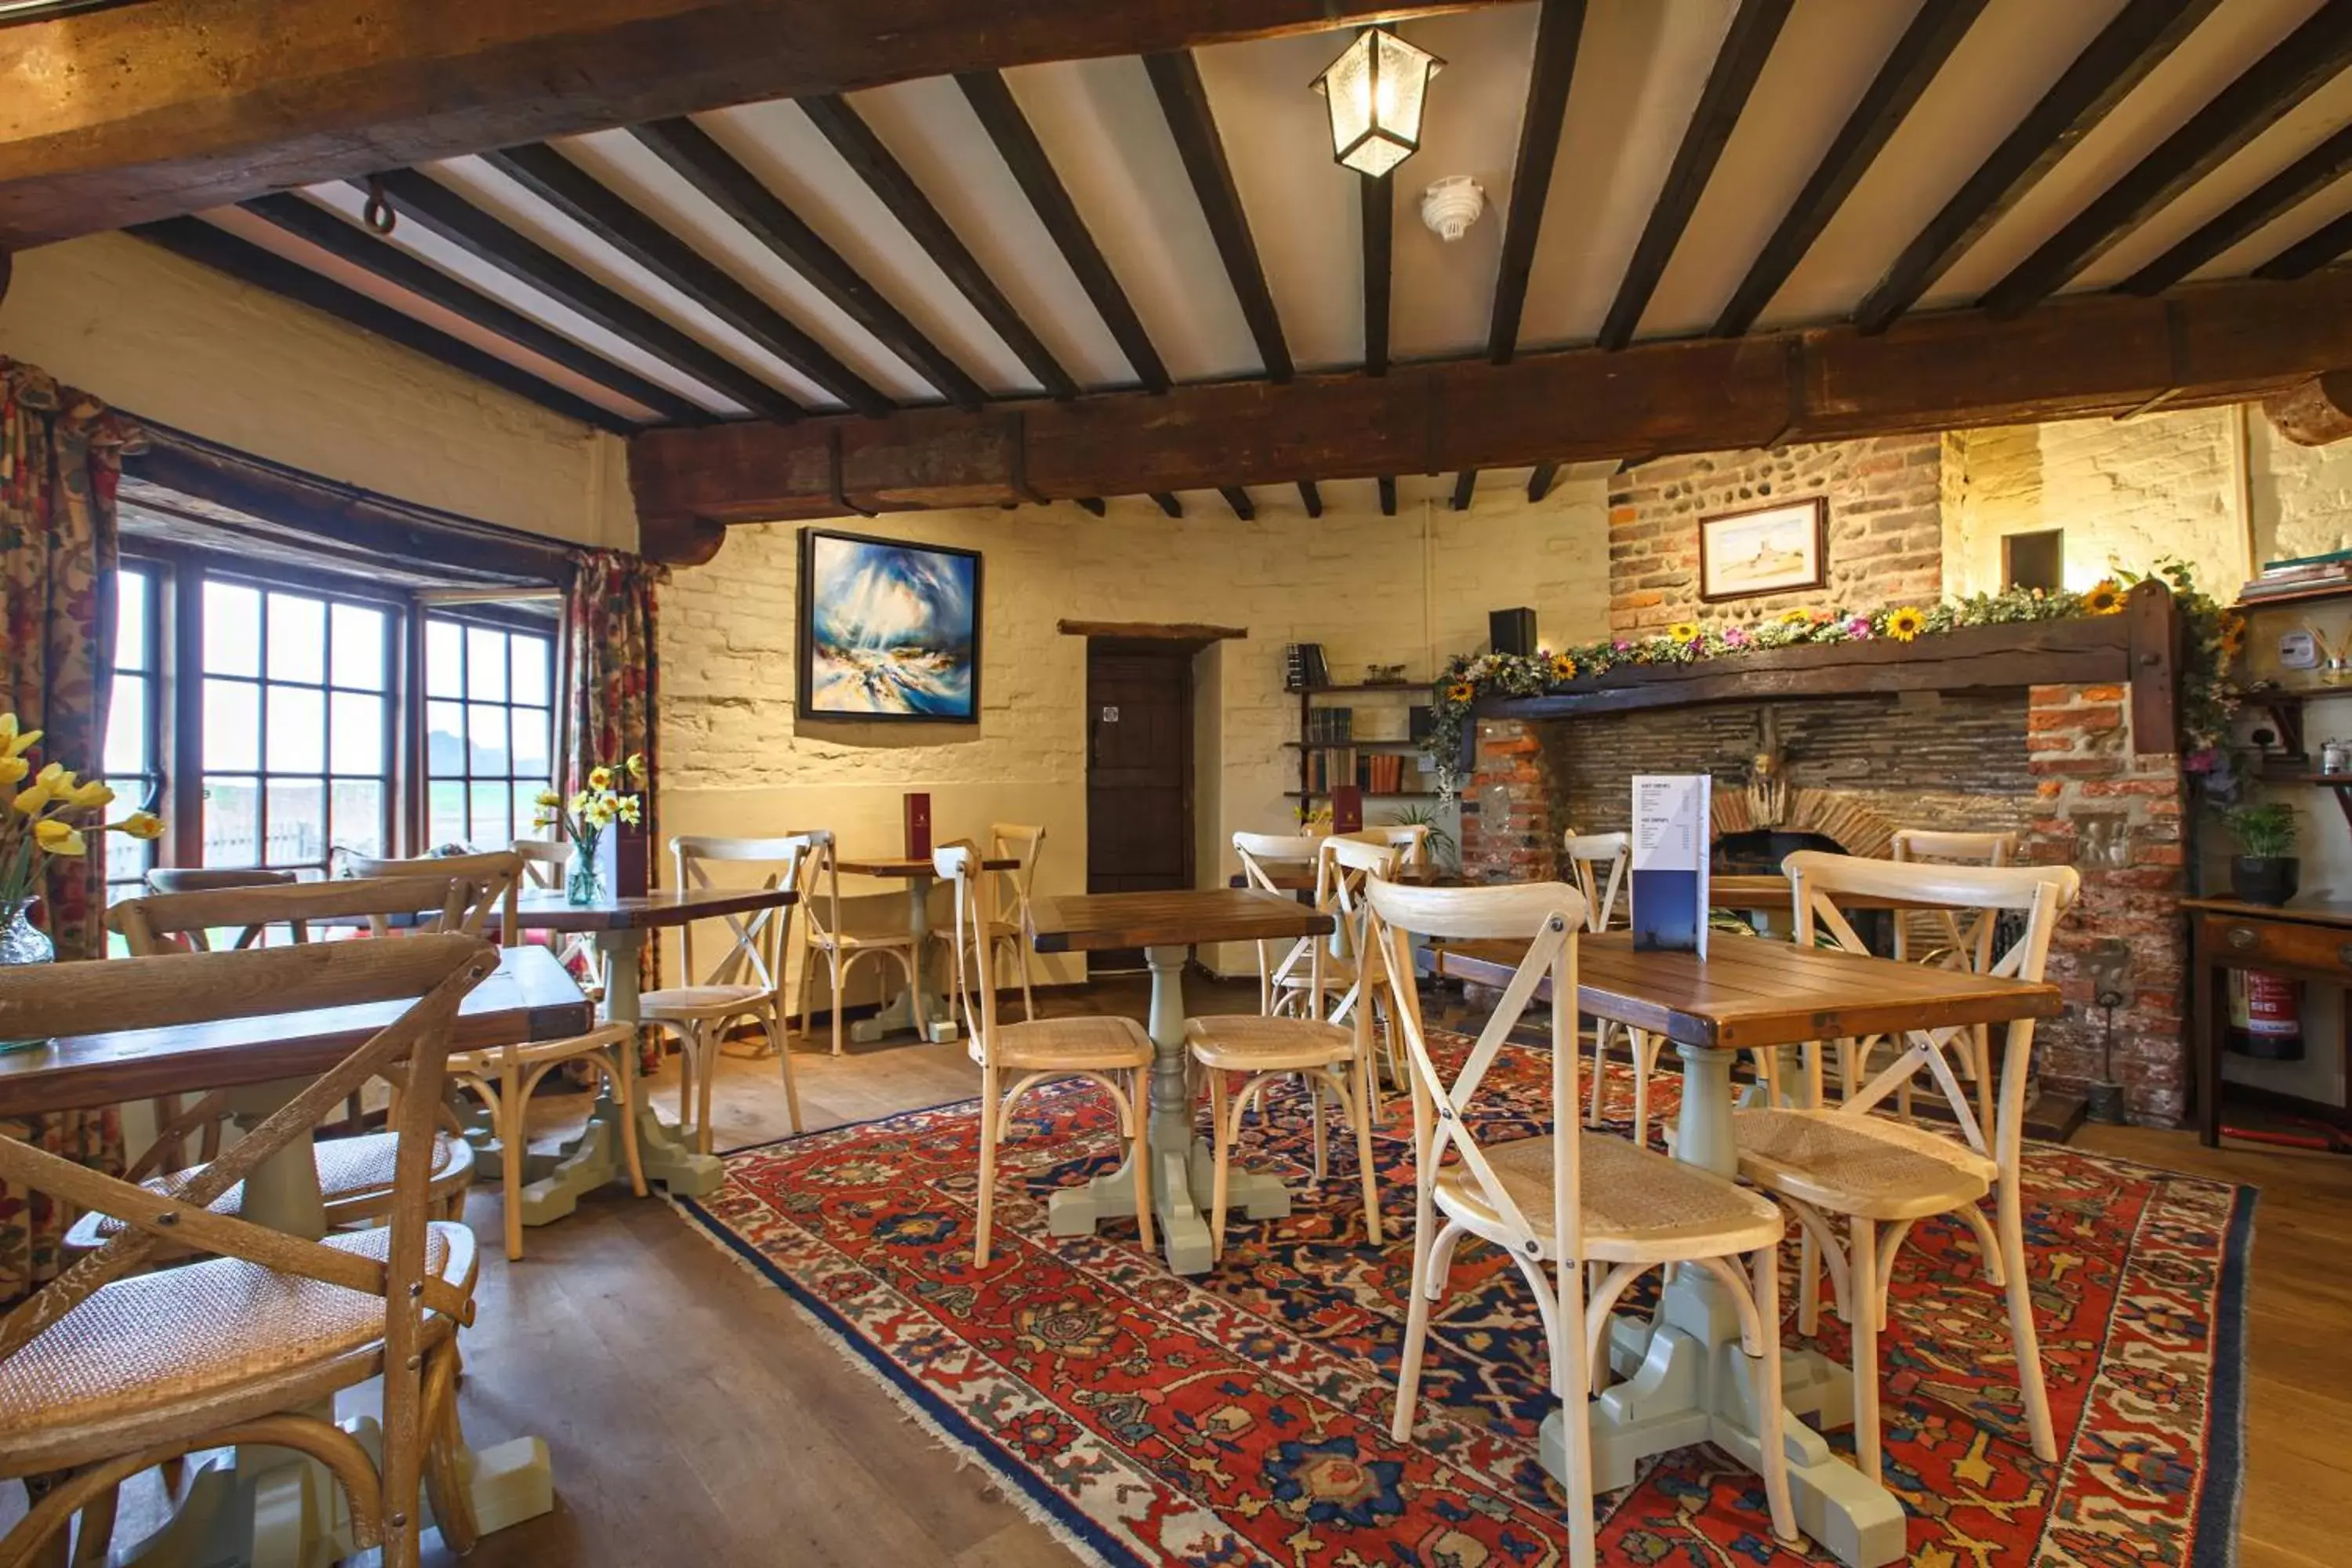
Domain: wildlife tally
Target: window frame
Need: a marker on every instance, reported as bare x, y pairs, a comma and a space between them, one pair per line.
177, 573
467, 617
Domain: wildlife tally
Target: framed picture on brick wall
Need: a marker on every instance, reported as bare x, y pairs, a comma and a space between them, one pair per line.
1780, 549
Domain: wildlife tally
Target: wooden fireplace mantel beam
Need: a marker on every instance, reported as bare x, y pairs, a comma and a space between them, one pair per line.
2138, 648
128, 113
2077, 356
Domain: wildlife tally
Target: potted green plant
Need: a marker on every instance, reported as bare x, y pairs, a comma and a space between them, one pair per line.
2265, 870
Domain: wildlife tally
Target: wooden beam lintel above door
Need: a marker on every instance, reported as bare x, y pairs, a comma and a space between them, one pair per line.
1198, 633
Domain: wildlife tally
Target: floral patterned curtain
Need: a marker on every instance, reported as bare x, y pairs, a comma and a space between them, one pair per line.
60, 460
609, 643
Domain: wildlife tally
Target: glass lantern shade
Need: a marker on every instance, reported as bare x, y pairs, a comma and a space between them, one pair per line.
1375, 90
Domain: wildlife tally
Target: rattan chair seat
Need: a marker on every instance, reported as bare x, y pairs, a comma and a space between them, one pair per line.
143, 1344
1080, 1044
1639, 1205
1866, 1165
1247, 1042
354, 1176
701, 1001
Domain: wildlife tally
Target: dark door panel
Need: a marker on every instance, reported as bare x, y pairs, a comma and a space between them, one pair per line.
1138, 777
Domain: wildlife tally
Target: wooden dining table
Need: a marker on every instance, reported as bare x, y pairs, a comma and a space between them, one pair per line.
1682, 1378
1166, 925
266, 1505
915, 1008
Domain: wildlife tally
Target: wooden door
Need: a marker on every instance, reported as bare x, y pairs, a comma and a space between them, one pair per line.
1139, 774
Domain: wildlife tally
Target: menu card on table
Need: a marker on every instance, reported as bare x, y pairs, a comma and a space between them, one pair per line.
1672, 816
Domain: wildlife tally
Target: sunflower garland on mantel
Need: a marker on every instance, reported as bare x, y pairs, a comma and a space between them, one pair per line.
2208, 697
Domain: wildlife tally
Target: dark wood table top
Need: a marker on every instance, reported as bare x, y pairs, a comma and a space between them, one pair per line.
912, 866
1753, 992
1302, 879
1092, 923
543, 909
528, 997
2316, 911
1769, 891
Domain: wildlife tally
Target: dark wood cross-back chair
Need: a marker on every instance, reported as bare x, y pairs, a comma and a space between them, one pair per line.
107, 1371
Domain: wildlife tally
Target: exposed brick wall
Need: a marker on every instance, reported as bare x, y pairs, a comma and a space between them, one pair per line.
1886, 526
2116, 818
1526, 848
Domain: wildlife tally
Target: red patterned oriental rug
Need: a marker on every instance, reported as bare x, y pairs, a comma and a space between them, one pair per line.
1240, 1417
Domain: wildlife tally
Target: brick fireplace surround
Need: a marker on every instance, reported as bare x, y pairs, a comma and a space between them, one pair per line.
2055, 763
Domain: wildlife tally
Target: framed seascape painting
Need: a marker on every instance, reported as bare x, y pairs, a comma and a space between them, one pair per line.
888, 629
1769, 550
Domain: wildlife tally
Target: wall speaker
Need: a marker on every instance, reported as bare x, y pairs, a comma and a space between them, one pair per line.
1511, 631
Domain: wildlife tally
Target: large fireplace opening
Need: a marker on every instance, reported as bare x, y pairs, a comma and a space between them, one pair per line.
1758, 851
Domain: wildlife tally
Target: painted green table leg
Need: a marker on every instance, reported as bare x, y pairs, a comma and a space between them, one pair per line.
1184, 1174
1685, 1379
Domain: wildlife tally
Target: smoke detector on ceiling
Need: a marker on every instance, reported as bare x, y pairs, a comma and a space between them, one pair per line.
1451, 205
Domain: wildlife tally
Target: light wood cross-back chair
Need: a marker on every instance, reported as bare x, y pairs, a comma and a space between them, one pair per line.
1567, 1198
746, 979
1949, 938
105, 1372
1113, 1054
1008, 921
1881, 1175
826, 938
1292, 983
355, 1172
503, 1078
1598, 862
1326, 1059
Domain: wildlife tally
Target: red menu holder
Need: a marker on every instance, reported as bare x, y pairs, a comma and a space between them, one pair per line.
919, 827
1347, 809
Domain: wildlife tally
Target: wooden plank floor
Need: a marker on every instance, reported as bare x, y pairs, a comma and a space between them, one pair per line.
694, 1417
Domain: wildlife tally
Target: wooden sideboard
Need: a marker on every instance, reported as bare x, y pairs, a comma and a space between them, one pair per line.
2310, 941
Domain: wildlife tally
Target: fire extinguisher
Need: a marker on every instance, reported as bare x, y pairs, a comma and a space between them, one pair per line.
2266, 1015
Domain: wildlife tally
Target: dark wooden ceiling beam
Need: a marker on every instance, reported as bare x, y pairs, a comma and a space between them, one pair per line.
1166, 501
2083, 356
1238, 499
2309, 254
1465, 487
1184, 104
1094, 505
1311, 497
2298, 66
1737, 63
1377, 204
417, 199
316, 225
1388, 495
702, 163
2135, 43
1016, 142
1909, 66
200, 242
1539, 483
887, 178
2274, 198
176, 106
578, 194
1559, 26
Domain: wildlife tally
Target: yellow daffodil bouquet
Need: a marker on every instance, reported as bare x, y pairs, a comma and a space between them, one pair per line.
51, 813
584, 816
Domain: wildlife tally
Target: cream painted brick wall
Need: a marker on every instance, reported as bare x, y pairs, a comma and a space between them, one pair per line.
2302, 495
2128, 493
174, 341
1411, 588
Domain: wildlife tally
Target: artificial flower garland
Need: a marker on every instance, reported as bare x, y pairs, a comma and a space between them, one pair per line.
2208, 699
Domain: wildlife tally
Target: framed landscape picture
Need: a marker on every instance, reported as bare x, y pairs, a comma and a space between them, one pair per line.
1769, 550
888, 629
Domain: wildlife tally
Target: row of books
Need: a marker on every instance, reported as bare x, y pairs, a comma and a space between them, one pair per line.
1374, 772
1304, 666
1328, 726
2300, 575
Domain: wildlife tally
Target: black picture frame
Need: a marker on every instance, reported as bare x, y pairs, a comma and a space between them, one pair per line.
809, 588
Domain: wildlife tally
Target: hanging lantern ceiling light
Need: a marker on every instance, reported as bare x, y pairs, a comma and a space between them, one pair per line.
1376, 90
